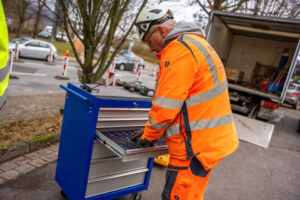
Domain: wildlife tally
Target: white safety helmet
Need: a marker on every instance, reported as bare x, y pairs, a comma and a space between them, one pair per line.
151, 15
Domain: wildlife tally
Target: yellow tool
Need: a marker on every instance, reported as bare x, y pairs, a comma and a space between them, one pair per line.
162, 160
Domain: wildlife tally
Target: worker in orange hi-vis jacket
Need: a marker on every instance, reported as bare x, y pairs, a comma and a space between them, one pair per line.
191, 107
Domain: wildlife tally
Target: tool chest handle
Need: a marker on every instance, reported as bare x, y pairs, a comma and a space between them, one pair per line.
75, 93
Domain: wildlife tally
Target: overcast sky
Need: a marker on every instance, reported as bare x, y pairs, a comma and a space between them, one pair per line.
182, 10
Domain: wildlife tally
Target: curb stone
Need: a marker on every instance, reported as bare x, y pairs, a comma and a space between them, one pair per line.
14, 168
22, 148
14, 151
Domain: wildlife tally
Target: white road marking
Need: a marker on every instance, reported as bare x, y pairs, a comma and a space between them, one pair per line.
27, 74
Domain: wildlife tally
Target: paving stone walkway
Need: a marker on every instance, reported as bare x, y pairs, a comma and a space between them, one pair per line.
12, 169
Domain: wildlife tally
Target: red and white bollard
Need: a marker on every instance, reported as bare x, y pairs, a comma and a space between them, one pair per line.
136, 64
110, 69
111, 79
17, 51
139, 74
50, 56
105, 75
11, 60
65, 64
112, 66
155, 69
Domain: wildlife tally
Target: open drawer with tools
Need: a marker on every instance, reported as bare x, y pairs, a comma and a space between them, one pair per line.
97, 159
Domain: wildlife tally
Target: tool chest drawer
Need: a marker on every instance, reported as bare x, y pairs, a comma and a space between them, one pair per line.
114, 165
115, 182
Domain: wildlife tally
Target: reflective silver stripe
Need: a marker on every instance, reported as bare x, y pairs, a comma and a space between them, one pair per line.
168, 103
207, 95
172, 130
211, 123
209, 60
155, 125
2, 99
202, 124
3, 73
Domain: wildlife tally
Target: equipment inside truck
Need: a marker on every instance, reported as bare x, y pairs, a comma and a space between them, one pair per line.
256, 54
259, 55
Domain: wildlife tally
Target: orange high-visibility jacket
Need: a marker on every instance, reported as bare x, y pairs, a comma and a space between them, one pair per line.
191, 107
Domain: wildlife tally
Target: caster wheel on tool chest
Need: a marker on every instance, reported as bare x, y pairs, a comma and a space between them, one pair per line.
63, 194
136, 196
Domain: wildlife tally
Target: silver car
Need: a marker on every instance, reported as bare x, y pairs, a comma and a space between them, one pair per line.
126, 61
293, 95
32, 48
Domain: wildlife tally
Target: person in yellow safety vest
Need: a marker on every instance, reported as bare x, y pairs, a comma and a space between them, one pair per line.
4, 68
190, 108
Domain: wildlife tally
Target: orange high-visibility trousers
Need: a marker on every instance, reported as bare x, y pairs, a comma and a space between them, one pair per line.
185, 180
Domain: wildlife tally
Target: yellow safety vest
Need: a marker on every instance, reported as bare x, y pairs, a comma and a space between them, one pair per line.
4, 68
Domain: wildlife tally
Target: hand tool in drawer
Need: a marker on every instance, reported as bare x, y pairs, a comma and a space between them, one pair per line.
119, 142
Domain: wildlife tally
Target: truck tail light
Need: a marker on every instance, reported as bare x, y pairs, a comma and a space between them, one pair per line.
295, 93
270, 104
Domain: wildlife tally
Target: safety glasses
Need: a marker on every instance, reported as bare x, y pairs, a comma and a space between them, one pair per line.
150, 35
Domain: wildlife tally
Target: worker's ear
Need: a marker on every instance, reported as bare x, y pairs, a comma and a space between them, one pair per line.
163, 31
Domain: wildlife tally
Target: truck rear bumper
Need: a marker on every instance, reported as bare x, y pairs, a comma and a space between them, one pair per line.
265, 113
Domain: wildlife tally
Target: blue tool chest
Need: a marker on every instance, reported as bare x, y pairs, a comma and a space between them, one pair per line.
96, 158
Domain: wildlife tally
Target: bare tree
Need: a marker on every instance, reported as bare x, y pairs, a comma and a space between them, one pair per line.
23, 13
208, 5
39, 10
94, 22
294, 8
274, 8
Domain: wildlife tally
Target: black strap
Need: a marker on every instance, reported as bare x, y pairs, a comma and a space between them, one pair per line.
176, 167
188, 139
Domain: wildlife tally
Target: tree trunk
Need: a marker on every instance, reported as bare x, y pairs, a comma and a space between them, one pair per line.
20, 25
37, 20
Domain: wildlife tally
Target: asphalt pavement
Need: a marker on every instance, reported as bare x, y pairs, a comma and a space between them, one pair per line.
38, 77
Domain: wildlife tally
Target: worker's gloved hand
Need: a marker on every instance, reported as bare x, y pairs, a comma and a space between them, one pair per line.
135, 138
142, 143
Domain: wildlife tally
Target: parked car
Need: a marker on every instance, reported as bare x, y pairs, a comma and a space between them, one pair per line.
126, 61
293, 95
44, 34
32, 48
61, 37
